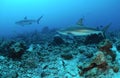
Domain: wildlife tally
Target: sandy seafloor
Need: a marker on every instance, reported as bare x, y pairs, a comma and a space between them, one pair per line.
34, 57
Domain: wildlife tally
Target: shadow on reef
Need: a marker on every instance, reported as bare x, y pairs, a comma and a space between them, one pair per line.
94, 39
86, 40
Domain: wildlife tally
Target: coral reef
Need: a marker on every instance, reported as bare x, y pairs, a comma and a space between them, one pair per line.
13, 49
86, 40
67, 58
87, 51
118, 45
94, 39
98, 61
106, 46
102, 61
57, 40
17, 49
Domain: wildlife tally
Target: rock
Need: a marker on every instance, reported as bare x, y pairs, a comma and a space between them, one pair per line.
16, 50
98, 61
67, 56
93, 39
4, 46
57, 40
105, 46
43, 74
118, 45
34, 48
12, 49
87, 51
2, 58
88, 39
99, 58
116, 69
11, 74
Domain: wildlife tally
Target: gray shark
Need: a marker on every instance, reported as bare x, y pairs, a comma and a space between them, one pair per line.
81, 30
26, 21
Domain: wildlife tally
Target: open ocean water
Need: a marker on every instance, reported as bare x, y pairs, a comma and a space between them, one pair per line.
59, 38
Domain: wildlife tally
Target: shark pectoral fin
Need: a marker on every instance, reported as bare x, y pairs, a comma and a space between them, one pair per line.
38, 20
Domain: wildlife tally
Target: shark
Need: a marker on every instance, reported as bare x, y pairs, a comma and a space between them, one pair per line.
79, 29
27, 21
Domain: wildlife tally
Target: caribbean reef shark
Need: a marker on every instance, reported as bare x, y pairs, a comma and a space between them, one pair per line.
81, 30
27, 21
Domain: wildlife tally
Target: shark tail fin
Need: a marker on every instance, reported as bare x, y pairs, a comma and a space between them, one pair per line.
106, 27
38, 20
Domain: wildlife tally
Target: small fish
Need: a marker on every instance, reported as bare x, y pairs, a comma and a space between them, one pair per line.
26, 21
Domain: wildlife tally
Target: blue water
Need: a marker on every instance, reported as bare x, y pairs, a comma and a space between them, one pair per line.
57, 14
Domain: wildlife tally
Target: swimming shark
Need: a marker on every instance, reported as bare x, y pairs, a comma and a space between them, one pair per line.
79, 29
27, 21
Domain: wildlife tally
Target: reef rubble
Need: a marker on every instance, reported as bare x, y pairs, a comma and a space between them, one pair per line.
57, 57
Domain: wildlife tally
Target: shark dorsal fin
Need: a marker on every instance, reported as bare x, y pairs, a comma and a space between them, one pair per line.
80, 22
25, 18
